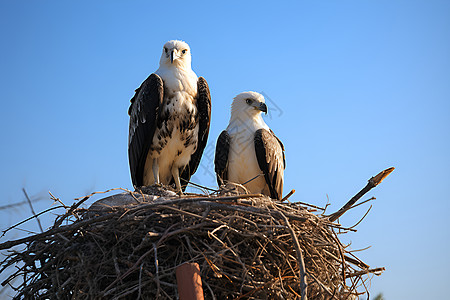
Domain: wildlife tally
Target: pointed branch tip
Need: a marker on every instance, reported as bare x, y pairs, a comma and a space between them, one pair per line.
376, 180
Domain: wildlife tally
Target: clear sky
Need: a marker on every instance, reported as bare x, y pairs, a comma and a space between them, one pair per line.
355, 87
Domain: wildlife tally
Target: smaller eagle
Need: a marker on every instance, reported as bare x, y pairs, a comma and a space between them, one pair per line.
169, 121
248, 152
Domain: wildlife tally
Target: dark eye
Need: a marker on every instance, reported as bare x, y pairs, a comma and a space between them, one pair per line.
165, 49
184, 51
248, 101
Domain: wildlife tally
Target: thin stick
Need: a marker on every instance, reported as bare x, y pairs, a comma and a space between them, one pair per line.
301, 262
262, 174
322, 286
74, 206
365, 201
341, 252
310, 205
362, 217
288, 195
356, 261
193, 199
363, 272
57, 199
9, 244
155, 254
102, 192
358, 250
373, 182
273, 281
199, 185
32, 209
254, 210
28, 219
12, 205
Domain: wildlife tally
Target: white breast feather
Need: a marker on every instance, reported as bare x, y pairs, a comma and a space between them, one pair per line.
182, 84
242, 161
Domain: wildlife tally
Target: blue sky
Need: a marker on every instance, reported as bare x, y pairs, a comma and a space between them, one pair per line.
355, 87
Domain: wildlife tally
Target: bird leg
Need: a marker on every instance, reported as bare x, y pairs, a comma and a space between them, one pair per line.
176, 178
155, 169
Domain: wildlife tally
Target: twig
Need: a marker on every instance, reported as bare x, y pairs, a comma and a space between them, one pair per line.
373, 182
250, 180
341, 252
323, 286
9, 244
301, 263
365, 201
32, 209
326, 205
74, 206
102, 192
273, 281
199, 185
12, 205
310, 205
57, 199
363, 272
263, 212
367, 212
28, 219
356, 261
288, 195
155, 253
209, 288
358, 250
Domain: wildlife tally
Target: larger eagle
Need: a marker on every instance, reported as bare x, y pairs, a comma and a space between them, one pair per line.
248, 152
169, 121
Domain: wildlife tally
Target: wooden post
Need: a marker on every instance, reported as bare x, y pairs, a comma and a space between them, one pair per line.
189, 282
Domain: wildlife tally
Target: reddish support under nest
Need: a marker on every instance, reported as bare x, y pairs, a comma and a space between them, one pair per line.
189, 282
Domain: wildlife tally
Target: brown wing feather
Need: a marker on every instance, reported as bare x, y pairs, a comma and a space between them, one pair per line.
270, 155
221, 157
204, 119
144, 112
282, 148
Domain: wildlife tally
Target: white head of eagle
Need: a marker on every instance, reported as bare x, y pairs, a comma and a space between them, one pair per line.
176, 54
169, 121
247, 107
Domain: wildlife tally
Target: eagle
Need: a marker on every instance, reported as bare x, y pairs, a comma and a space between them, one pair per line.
170, 115
248, 152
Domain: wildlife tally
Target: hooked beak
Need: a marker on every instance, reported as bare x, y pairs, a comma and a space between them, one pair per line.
263, 107
173, 55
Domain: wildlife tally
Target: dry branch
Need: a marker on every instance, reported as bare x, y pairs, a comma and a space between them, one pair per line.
373, 182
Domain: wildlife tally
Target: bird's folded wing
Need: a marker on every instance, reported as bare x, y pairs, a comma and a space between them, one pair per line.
144, 112
221, 157
270, 156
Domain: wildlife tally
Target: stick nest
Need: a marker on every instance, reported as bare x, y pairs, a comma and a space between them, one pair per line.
245, 246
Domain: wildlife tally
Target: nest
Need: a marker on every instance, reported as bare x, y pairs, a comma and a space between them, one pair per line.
247, 247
